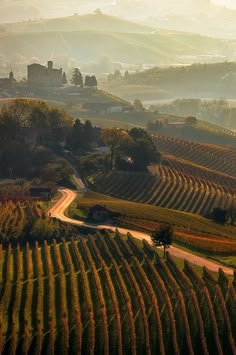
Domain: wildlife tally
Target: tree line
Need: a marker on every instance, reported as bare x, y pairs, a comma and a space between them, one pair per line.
132, 150
78, 80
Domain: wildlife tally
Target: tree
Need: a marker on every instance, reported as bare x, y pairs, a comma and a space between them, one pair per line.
143, 151
232, 212
64, 79
219, 215
90, 81
163, 237
94, 82
98, 11
190, 121
42, 229
87, 81
126, 75
115, 138
31, 113
138, 106
77, 78
117, 74
75, 139
88, 131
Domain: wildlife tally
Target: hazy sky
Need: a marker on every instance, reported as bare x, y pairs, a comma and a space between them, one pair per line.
229, 3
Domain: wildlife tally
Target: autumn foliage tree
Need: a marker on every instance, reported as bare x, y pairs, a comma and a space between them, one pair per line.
115, 138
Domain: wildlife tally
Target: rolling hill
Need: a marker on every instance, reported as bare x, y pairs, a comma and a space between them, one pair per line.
193, 178
103, 294
196, 80
88, 22
164, 47
90, 37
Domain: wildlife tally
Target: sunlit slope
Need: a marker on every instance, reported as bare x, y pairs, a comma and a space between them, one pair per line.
178, 184
89, 22
104, 294
163, 47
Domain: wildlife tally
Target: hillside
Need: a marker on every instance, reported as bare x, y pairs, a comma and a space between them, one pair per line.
210, 19
65, 48
194, 81
96, 100
104, 294
89, 22
192, 177
168, 188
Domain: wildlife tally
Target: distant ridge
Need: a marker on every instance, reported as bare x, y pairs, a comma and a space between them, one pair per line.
88, 22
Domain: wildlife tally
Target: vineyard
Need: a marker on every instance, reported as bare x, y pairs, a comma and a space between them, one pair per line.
189, 230
168, 188
210, 156
215, 128
17, 218
106, 295
195, 170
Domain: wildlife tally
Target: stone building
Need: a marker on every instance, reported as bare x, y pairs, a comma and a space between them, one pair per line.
39, 75
8, 83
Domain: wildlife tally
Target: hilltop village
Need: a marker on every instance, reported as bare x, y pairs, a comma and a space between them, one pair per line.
43, 80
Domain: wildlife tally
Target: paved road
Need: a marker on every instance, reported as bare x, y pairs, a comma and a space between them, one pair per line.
68, 196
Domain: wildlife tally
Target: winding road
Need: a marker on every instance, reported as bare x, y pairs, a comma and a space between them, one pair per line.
68, 196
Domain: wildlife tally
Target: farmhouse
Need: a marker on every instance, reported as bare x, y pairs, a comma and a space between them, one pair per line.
43, 193
104, 108
99, 213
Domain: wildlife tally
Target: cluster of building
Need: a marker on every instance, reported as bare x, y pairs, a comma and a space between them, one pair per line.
8, 83
38, 76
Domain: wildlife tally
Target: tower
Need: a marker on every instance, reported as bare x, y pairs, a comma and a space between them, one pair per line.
11, 75
50, 65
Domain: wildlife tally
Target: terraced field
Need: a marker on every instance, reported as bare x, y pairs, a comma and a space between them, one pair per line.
198, 171
18, 218
215, 128
106, 295
189, 230
168, 188
210, 156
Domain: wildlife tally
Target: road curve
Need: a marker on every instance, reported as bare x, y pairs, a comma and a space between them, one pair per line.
68, 196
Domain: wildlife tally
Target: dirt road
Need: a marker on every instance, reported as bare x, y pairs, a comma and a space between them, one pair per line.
68, 196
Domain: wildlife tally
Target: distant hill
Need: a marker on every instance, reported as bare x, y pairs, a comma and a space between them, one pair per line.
89, 22
160, 48
212, 20
194, 76
195, 81
198, 90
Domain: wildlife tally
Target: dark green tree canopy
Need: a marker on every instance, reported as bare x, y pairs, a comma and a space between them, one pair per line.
90, 81
163, 237
82, 135
141, 150
77, 78
220, 215
64, 79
